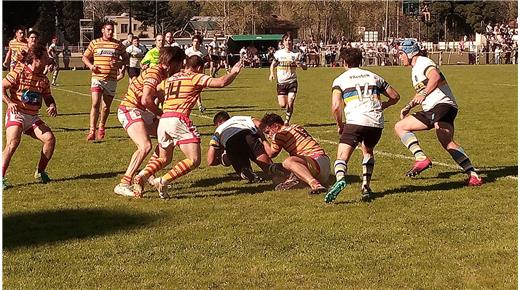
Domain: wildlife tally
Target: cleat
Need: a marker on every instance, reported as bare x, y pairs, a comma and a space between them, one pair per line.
291, 183
250, 176
366, 194
418, 167
91, 136
474, 180
138, 186
100, 134
202, 108
150, 180
42, 177
124, 190
318, 189
335, 190
161, 188
5, 184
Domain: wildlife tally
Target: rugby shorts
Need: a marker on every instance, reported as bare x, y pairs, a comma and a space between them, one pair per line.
108, 87
133, 72
354, 134
176, 128
439, 113
286, 88
235, 145
128, 116
319, 166
25, 121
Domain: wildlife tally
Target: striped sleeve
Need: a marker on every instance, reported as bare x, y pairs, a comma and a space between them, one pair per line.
279, 140
13, 77
215, 141
381, 83
89, 52
152, 79
201, 80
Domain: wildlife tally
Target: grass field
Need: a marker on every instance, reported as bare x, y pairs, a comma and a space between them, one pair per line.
218, 232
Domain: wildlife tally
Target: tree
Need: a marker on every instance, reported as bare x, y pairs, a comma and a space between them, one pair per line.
72, 13
11, 16
46, 24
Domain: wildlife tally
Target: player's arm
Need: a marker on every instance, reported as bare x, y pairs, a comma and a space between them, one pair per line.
214, 151
86, 59
392, 95
337, 108
148, 99
51, 105
147, 59
11, 106
227, 79
8, 57
301, 64
434, 78
259, 126
274, 148
271, 69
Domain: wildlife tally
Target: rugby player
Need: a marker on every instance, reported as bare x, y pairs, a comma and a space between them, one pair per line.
198, 49
54, 65
286, 60
152, 56
107, 69
136, 52
24, 89
15, 45
358, 92
139, 114
439, 110
175, 127
307, 160
20, 56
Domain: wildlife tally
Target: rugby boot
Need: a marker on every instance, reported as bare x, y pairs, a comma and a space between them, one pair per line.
366, 193
42, 177
418, 167
161, 188
5, 184
290, 183
474, 180
250, 176
335, 190
138, 186
101, 133
91, 136
124, 190
317, 189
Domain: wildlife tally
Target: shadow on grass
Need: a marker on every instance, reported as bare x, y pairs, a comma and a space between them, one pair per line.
64, 129
38, 228
215, 180
490, 174
228, 191
319, 125
82, 176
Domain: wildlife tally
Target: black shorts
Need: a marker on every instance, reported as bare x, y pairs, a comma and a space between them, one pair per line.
133, 72
214, 58
354, 134
242, 147
440, 113
285, 89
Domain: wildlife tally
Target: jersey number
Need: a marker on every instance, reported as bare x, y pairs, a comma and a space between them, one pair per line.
173, 90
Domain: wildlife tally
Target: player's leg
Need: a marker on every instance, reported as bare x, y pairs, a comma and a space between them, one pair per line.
282, 101
404, 129
94, 112
445, 132
299, 167
290, 107
13, 135
43, 133
368, 168
55, 74
238, 153
256, 152
345, 151
104, 112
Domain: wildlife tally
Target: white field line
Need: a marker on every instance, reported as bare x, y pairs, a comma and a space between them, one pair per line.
382, 153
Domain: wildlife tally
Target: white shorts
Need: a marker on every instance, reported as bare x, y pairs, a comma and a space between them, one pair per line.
128, 115
176, 129
25, 121
102, 86
319, 166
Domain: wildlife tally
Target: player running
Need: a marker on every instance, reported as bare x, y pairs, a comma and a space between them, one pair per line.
24, 89
286, 60
307, 160
175, 127
108, 68
54, 62
17, 44
139, 114
358, 93
439, 110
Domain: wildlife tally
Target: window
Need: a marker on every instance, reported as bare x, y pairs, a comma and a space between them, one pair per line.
135, 27
124, 28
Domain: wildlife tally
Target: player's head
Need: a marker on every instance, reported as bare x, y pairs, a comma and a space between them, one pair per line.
107, 30
135, 40
168, 37
352, 57
195, 63
196, 40
38, 56
19, 32
287, 40
172, 57
159, 41
408, 48
54, 39
32, 38
271, 124
130, 36
220, 118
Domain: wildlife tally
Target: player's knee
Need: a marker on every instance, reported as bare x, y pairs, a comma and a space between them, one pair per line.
195, 162
145, 147
12, 144
48, 138
288, 162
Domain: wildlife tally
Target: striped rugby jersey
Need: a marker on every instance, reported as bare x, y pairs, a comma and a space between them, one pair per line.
151, 77
28, 89
182, 90
105, 54
286, 68
296, 141
18, 51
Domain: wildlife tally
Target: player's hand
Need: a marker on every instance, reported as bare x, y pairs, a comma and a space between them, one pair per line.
144, 66
52, 111
417, 99
339, 128
404, 113
94, 69
6, 65
236, 68
11, 107
271, 77
120, 76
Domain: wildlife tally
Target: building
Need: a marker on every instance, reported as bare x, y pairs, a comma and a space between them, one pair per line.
122, 27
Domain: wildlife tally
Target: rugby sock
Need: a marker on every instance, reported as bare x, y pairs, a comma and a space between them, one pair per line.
368, 167
288, 115
276, 169
340, 169
155, 164
180, 169
410, 141
44, 160
462, 159
54, 76
126, 180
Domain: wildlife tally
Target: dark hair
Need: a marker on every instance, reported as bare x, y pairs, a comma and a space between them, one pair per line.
196, 36
106, 23
353, 57
33, 32
35, 52
170, 55
221, 116
287, 35
271, 118
134, 38
19, 27
130, 33
194, 61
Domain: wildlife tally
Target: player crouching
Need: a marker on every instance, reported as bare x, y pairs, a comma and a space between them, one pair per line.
27, 86
307, 161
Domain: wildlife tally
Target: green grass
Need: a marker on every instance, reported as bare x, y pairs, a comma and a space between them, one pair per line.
217, 232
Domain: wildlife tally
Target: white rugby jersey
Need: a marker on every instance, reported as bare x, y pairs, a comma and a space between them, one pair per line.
361, 91
442, 94
286, 69
230, 128
191, 51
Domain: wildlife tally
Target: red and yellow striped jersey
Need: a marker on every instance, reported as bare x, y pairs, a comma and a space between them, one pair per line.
182, 90
105, 53
151, 77
296, 141
18, 51
28, 89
